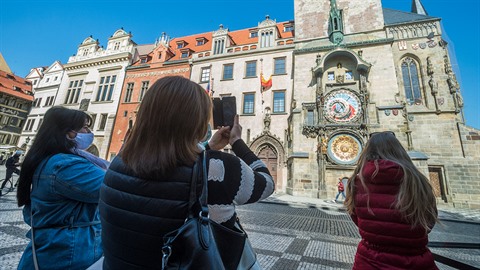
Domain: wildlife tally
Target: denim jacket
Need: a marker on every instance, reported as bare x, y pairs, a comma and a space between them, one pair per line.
64, 202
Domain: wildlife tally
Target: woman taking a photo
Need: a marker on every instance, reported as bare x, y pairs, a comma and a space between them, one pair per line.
393, 205
145, 194
59, 190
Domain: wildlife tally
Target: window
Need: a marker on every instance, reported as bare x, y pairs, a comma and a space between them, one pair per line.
116, 46
56, 77
143, 60
37, 102
49, 101
105, 89
128, 93
266, 39
35, 82
200, 42
85, 52
411, 81
248, 103
103, 121
279, 66
143, 90
227, 72
331, 76
159, 55
5, 119
180, 45
218, 46
29, 125
184, 54
94, 117
251, 69
310, 118
14, 140
253, 34
288, 28
73, 92
278, 101
348, 75
205, 75
48, 79
39, 123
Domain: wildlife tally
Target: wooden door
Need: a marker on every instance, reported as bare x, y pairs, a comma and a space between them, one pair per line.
268, 156
436, 180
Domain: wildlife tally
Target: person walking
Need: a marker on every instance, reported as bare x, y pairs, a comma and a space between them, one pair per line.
393, 205
11, 164
145, 194
59, 191
340, 188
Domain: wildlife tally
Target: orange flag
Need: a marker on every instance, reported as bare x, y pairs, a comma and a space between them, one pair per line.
265, 84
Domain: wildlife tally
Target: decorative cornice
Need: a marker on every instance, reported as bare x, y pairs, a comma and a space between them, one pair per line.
116, 58
109, 68
347, 45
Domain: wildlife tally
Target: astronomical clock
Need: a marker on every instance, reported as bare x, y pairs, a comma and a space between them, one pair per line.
343, 107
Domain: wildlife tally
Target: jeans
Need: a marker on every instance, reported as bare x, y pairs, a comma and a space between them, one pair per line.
338, 194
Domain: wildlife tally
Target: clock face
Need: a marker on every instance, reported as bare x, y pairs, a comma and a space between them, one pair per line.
344, 149
342, 106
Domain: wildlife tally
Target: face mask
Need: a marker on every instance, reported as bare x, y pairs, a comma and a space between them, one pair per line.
83, 140
207, 137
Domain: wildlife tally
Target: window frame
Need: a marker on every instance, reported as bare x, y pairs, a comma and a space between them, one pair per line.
247, 63
106, 88
244, 103
129, 92
274, 111
413, 95
202, 77
73, 91
224, 69
284, 65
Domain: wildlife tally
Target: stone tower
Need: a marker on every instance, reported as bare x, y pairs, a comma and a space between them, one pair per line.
361, 68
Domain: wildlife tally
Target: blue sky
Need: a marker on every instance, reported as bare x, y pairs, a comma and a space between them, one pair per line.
38, 32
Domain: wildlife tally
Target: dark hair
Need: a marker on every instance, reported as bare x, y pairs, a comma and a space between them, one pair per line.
51, 139
172, 119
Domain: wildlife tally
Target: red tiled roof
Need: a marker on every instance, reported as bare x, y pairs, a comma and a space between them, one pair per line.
238, 38
8, 83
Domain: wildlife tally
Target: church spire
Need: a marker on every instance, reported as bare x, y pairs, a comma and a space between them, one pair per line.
335, 24
417, 7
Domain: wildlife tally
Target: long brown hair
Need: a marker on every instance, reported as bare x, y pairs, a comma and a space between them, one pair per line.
415, 200
171, 120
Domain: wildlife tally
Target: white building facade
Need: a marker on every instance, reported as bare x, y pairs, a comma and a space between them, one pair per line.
46, 83
93, 81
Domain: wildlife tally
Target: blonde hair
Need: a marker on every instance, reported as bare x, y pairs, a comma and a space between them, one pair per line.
415, 199
172, 119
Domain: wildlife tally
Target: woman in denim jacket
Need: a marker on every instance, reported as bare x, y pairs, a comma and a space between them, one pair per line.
59, 188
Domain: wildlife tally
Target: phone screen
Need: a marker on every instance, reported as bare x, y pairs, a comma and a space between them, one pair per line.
229, 110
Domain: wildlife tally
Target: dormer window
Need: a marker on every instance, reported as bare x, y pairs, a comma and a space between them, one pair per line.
143, 60
201, 41
116, 46
181, 44
254, 34
159, 55
267, 39
288, 28
185, 54
85, 52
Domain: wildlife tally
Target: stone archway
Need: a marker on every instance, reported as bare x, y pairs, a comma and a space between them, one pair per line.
270, 150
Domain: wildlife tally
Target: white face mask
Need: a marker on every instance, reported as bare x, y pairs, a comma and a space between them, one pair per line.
83, 140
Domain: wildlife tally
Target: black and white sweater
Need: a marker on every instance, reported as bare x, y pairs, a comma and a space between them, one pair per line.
243, 178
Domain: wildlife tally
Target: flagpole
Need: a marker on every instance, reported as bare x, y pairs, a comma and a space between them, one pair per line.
261, 80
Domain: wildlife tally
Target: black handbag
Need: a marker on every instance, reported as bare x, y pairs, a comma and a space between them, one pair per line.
201, 243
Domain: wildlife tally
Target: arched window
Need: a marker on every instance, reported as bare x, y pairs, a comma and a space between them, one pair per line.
411, 81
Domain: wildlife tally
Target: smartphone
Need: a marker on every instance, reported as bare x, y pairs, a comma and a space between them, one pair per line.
224, 111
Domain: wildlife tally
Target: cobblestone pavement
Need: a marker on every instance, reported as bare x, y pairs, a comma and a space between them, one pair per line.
287, 232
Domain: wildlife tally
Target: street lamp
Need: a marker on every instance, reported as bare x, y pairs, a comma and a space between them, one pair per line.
27, 140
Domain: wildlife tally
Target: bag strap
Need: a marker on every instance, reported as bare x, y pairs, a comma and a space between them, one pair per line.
34, 252
202, 200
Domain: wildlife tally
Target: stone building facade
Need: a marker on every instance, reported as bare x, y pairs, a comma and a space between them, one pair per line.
361, 69
93, 82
